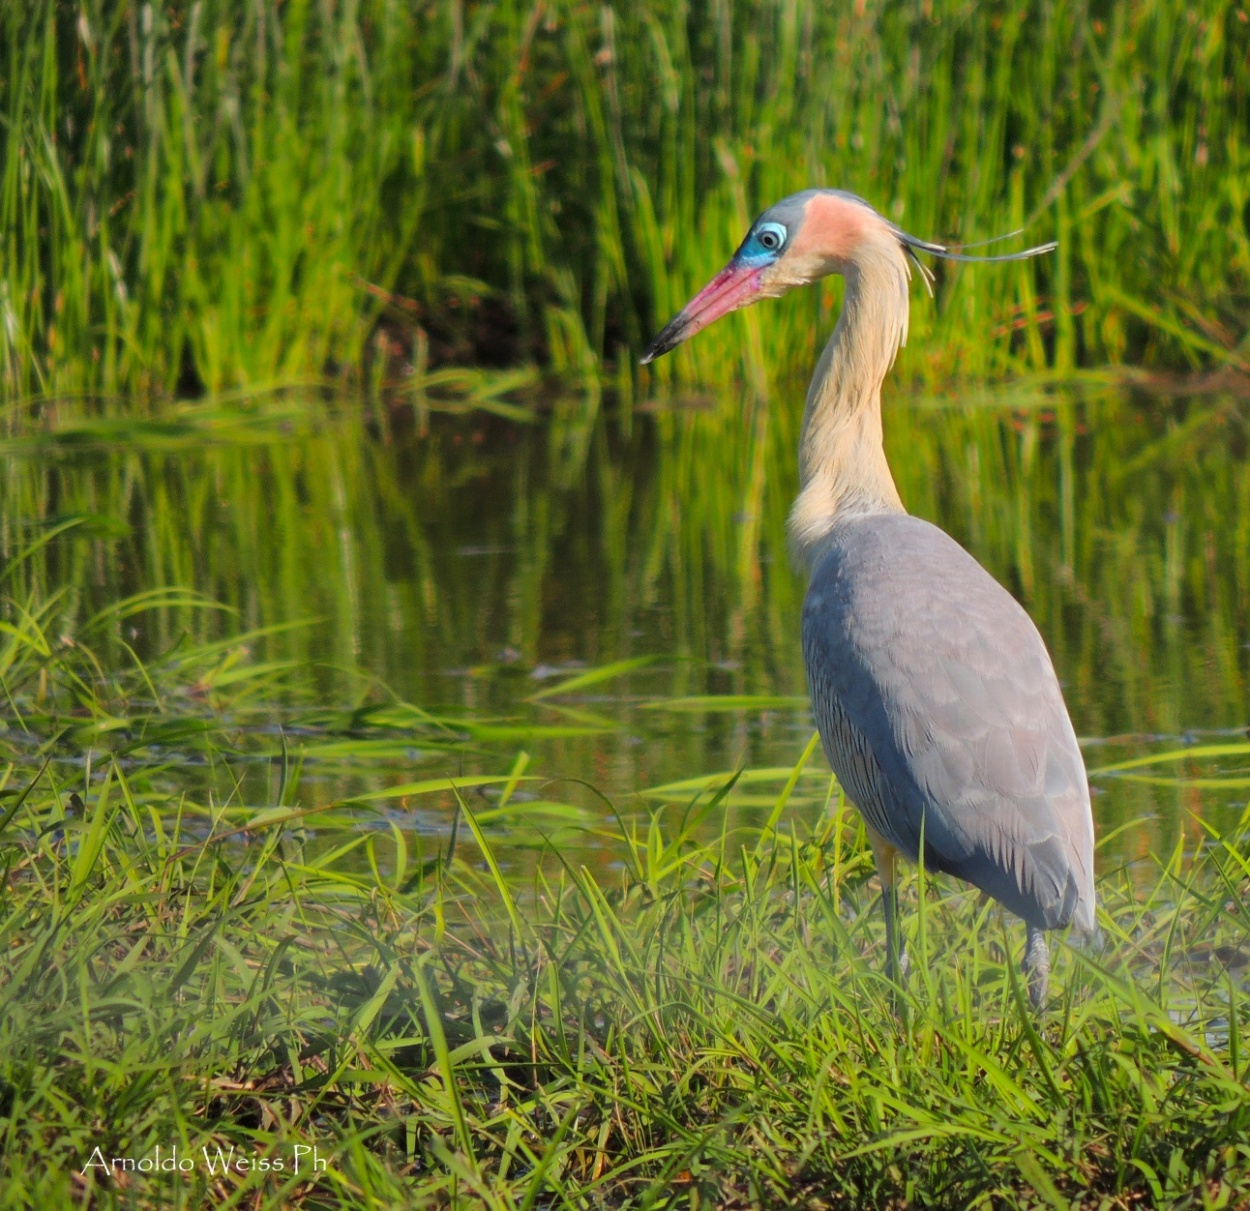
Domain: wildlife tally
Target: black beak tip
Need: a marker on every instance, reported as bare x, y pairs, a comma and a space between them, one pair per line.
658, 348
666, 340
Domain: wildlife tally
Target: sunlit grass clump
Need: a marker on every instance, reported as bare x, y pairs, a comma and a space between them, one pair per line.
705, 1025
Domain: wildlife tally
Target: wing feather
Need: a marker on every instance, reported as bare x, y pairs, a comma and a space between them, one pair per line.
941, 714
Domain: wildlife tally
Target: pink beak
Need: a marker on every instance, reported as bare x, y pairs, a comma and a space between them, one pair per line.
736, 285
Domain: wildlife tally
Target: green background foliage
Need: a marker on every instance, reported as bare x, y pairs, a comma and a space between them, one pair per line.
217, 194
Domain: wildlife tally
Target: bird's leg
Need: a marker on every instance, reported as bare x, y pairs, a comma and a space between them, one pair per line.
885, 857
897, 959
1036, 966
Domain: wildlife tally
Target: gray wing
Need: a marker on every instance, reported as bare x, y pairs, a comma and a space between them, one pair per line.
941, 715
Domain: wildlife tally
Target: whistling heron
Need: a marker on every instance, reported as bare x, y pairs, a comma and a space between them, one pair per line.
935, 697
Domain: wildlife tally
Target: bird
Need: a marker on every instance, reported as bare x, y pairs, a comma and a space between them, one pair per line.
935, 697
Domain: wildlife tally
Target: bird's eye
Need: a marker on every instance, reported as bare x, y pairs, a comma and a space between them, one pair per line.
771, 237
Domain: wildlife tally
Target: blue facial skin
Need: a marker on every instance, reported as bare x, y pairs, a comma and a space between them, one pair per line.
762, 246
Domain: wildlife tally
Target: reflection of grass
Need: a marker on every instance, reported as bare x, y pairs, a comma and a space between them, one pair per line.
225, 194
476, 571
707, 1025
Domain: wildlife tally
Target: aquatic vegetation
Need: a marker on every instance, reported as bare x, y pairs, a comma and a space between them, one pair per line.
205, 195
708, 1023
278, 878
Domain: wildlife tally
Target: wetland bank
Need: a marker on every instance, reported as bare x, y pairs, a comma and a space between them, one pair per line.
406, 755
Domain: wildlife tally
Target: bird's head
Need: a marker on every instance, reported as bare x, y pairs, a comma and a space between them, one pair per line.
801, 239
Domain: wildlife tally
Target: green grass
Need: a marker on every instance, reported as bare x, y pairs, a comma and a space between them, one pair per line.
707, 1026
221, 195
214, 934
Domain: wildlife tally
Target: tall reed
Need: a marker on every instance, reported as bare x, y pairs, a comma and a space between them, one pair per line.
206, 193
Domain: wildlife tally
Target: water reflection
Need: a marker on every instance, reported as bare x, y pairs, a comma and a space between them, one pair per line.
470, 570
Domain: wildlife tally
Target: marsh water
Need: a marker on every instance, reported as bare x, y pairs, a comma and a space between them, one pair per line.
601, 596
